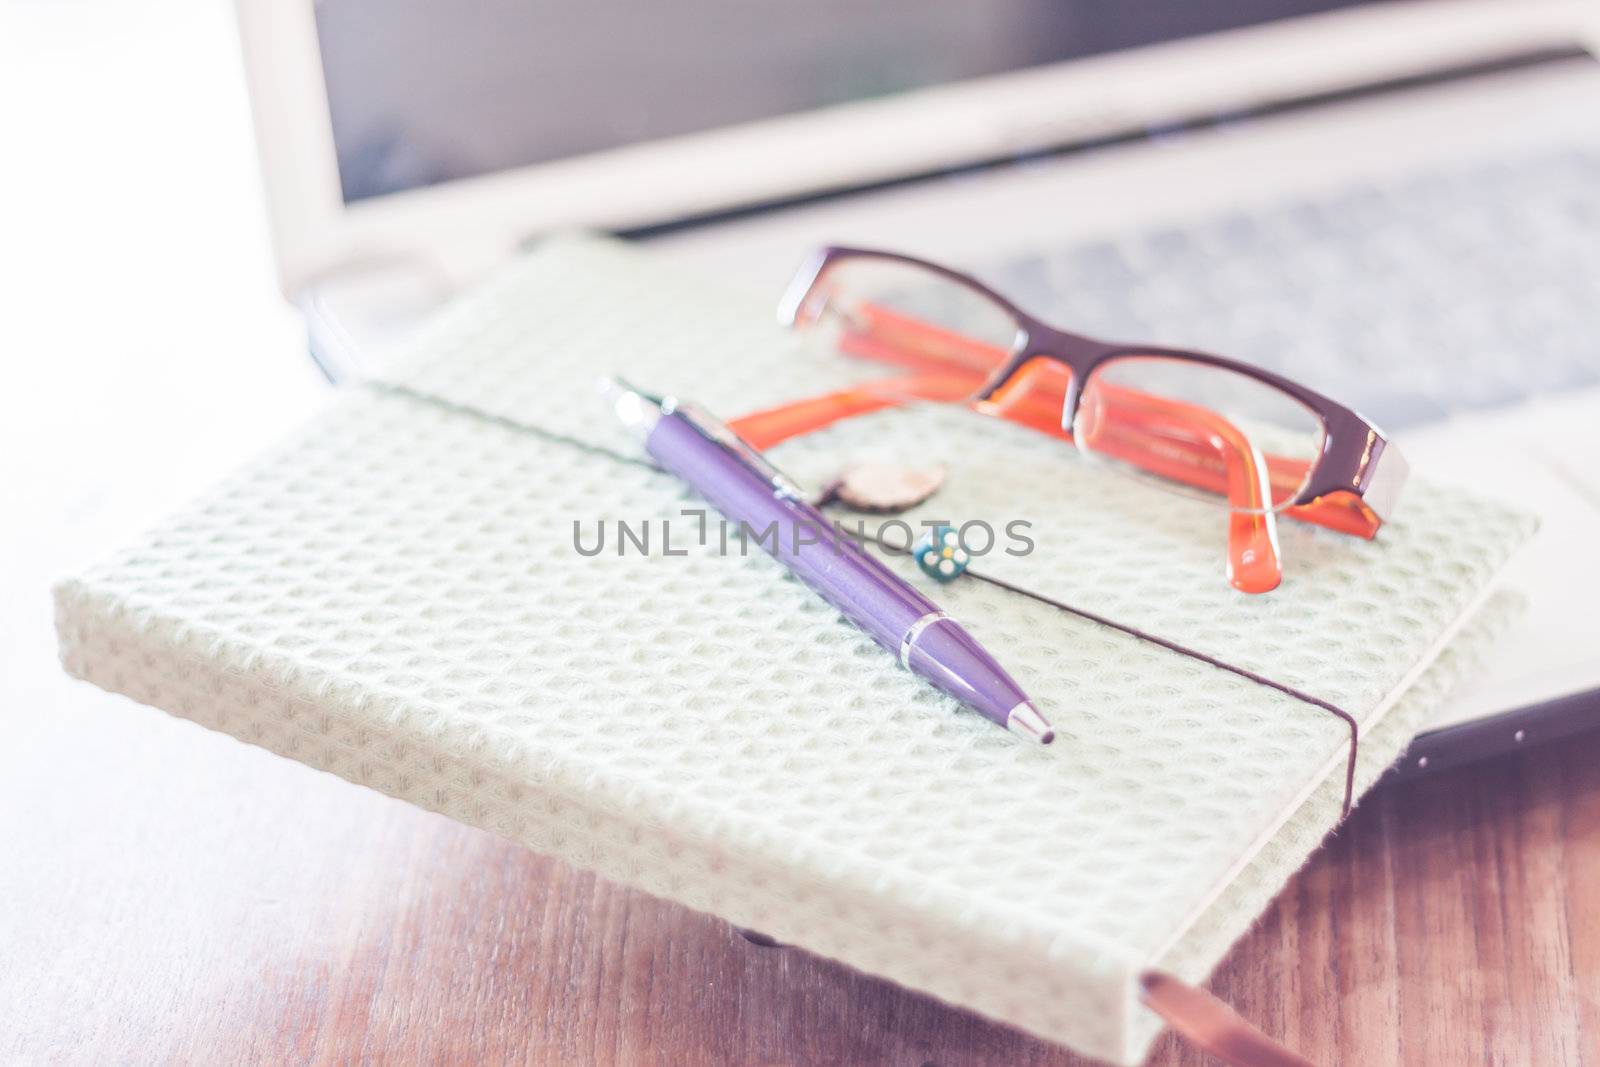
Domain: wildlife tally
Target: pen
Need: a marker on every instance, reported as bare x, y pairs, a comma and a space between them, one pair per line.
741, 484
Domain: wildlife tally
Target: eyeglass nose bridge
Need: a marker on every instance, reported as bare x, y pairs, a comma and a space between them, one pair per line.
1077, 354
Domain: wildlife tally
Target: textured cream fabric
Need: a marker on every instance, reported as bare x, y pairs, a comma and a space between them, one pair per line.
394, 597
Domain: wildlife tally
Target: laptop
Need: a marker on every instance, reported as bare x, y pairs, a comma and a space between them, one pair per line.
1395, 201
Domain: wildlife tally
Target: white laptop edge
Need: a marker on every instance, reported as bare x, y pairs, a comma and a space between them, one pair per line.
456, 230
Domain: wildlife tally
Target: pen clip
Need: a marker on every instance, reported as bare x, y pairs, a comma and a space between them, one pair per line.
719, 432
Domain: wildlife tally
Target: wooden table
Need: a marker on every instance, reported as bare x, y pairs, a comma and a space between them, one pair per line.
169, 895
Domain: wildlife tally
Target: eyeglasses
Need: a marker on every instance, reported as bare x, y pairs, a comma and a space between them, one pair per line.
1209, 426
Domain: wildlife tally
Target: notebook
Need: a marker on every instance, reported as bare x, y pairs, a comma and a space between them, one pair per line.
397, 595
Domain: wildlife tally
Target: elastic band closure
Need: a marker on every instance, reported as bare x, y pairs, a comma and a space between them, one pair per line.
1172, 646
1243, 672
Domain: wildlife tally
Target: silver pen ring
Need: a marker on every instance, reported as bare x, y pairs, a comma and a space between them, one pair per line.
914, 631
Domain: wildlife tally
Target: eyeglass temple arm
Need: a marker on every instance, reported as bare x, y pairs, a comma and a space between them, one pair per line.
1131, 421
1254, 565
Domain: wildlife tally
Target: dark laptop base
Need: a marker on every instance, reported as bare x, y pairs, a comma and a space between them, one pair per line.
1468, 742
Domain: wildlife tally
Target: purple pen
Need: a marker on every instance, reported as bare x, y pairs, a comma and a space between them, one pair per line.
749, 491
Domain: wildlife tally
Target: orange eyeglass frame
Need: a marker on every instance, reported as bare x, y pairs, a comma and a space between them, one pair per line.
1175, 440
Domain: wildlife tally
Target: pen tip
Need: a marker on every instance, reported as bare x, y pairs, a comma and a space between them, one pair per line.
1025, 721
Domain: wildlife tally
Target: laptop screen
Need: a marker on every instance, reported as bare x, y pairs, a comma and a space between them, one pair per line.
423, 92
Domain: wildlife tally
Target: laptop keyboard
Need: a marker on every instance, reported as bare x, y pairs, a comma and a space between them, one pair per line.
1436, 294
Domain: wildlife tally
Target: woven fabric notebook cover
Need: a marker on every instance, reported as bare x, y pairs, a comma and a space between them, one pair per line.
395, 596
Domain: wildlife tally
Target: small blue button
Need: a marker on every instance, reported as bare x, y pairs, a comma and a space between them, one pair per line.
940, 555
